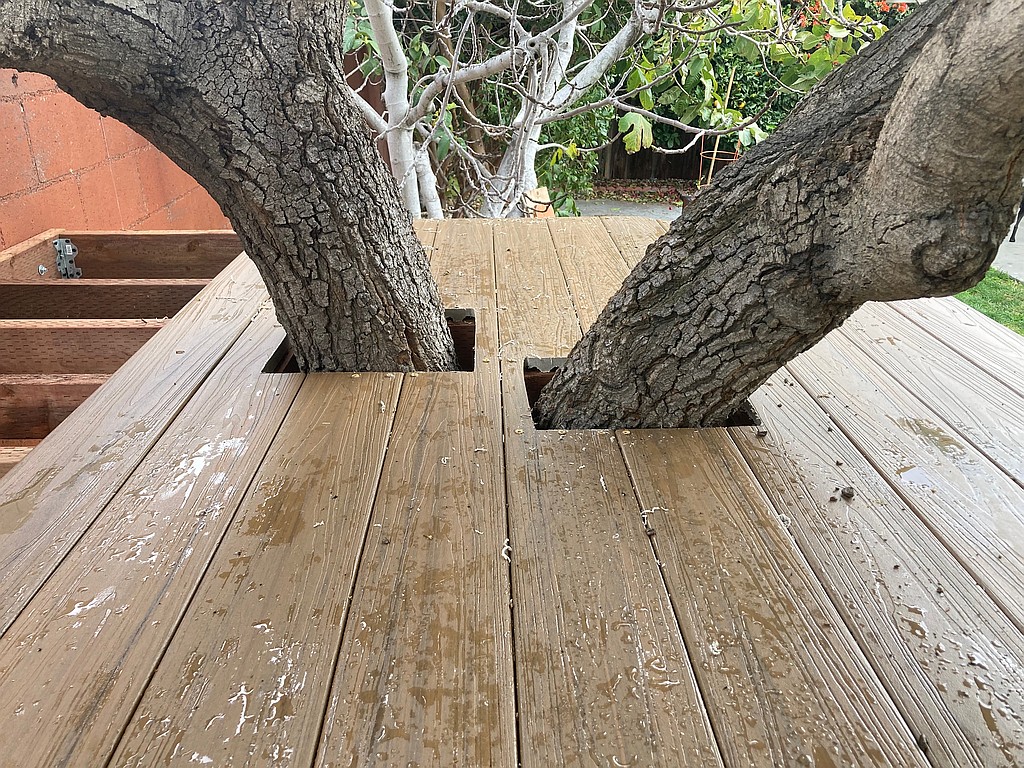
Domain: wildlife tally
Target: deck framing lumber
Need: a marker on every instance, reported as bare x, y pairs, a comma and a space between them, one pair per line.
33, 405
21, 261
71, 346
125, 255
96, 298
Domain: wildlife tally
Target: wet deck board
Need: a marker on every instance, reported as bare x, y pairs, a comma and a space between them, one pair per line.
206, 564
904, 596
52, 497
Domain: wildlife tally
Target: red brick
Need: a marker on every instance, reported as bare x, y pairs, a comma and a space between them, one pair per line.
162, 180
65, 135
99, 199
16, 84
55, 205
197, 210
19, 172
130, 196
120, 139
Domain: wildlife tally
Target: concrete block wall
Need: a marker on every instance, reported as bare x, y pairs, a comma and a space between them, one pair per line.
65, 166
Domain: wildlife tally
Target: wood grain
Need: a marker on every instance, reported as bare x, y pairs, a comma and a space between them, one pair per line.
783, 679
247, 674
603, 676
632, 235
158, 255
74, 663
424, 675
33, 405
981, 408
21, 261
980, 339
920, 618
591, 263
52, 497
96, 298
9, 458
969, 503
71, 346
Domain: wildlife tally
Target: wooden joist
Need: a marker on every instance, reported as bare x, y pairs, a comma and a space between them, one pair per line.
10, 455
71, 346
125, 255
21, 262
32, 405
96, 298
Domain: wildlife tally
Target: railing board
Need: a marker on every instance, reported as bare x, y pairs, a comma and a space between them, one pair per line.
249, 669
981, 408
83, 298
71, 346
425, 671
33, 405
52, 497
917, 614
100, 623
968, 502
782, 676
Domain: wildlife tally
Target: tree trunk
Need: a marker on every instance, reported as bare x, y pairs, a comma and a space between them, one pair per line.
896, 178
249, 98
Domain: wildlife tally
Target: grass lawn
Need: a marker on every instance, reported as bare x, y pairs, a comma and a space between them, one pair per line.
1000, 297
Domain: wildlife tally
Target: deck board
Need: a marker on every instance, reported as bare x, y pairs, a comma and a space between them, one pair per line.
632, 235
968, 502
781, 675
76, 660
425, 674
980, 407
591, 263
328, 581
51, 497
916, 612
603, 676
969, 334
248, 672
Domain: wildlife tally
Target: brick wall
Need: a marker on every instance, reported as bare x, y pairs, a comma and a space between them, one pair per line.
65, 166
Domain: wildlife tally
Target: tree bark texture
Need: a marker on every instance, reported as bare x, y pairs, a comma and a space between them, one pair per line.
894, 179
249, 98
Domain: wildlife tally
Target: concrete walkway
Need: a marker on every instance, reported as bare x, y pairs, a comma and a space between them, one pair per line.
1010, 258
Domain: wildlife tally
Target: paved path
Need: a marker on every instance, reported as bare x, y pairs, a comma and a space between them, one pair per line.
1010, 258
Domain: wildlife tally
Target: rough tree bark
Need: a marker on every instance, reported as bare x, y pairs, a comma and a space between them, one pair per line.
896, 178
249, 98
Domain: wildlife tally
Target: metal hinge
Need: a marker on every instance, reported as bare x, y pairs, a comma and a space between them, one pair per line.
66, 252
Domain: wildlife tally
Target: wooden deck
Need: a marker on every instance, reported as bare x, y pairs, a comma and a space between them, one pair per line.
206, 564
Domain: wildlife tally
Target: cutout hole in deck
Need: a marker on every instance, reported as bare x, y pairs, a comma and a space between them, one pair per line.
461, 323
538, 371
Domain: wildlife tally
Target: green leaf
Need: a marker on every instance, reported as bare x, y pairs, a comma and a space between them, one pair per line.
638, 132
